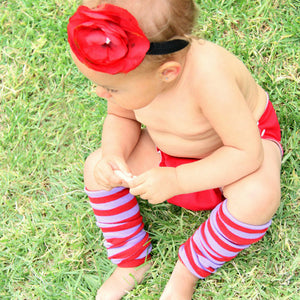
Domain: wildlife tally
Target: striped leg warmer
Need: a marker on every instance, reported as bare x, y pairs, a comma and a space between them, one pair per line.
219, 239
118, 215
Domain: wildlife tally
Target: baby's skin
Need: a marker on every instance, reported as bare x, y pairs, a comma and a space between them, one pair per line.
203, 105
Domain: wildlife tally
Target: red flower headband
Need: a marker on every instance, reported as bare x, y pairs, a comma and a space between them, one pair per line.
109, 39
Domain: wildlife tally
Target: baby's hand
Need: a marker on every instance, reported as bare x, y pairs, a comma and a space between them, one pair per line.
155, 185
127, 177
105, 175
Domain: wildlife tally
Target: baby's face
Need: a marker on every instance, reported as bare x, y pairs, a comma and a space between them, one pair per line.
131, 91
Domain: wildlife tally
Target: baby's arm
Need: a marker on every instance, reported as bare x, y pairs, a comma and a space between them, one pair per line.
118, 122
224, 105
116, 146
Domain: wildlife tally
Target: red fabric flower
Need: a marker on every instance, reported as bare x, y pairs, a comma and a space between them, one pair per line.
107, 39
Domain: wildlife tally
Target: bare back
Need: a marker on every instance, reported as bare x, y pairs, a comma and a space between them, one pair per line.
175, 119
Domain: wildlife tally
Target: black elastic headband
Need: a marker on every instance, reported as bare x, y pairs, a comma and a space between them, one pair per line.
161, 48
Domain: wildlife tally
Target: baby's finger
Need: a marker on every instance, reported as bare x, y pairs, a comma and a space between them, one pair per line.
137, 181
117, 181
127, 178
121, 166
137, 191
124, 169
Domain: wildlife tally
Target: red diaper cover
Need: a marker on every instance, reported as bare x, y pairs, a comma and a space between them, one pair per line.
268, 126
205, 200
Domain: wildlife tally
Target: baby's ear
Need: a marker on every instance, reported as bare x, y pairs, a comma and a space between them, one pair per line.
169, 71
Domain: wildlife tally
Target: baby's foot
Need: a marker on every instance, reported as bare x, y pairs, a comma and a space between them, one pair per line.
181, 285
121, 281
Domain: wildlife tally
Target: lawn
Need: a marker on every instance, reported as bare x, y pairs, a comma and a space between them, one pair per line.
51, 119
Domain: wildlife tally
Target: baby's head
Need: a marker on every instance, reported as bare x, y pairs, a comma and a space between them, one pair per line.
159, 20
120, 37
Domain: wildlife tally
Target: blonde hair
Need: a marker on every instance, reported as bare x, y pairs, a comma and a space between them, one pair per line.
160, 20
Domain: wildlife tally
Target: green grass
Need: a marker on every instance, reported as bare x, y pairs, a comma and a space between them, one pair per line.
51, 120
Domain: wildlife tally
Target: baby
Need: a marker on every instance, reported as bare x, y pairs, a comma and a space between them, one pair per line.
211, 139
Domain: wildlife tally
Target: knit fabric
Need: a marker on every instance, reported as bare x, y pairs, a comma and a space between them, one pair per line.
219, 239
118, 215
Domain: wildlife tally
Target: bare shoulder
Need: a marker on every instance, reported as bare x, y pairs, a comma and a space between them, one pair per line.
214, 68
218, 77
211, 59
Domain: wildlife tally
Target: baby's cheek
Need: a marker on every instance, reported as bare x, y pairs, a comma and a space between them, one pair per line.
102, 93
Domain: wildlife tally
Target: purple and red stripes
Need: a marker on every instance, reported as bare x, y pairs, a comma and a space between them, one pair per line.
219, 239
118, 215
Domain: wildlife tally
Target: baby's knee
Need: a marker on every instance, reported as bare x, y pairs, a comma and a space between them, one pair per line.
93, 158
256, 203
89, 167
266, 197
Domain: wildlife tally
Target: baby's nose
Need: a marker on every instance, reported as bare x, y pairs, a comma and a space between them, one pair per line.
102, 92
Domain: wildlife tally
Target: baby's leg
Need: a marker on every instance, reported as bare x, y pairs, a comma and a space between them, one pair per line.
117, 214
232, 226
127, 243
255, 198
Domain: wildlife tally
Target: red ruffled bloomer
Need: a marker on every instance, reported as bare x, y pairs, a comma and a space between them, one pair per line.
107, 39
